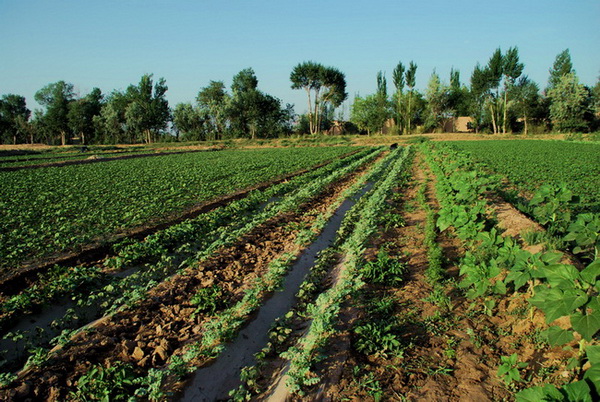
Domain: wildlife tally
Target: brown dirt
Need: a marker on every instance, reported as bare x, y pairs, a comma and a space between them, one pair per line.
13, 281
146, 334
451, 353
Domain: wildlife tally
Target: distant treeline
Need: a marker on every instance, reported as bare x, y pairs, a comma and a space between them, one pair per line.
499, 99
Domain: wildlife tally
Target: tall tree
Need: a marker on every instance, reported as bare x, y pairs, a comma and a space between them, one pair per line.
81, 115
56, 97
511, 70
189, 121
213, 100
494, 70
561, 67
323, 85
411, 75
14, 119
383, 105
527, 99
111, 125
457, 95
436, 96
367, 114
398, 78
569, 104
148, 112
479, 95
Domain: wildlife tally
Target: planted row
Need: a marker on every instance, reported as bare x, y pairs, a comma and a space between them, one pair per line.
54, 209
493, 264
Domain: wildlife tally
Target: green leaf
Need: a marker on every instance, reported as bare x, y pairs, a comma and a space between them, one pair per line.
593, 354
586, 324
578, 391
558, 336
591, 272
593, 374
519, 278
556, 303
537, 394
561, 275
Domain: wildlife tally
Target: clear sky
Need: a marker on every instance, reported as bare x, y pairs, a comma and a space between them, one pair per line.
110, 43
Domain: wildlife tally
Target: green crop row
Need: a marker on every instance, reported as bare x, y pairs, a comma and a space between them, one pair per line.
226, 323
134, 288
12, 162
49, 210
324, 311
493, 264
199, 232
531, 163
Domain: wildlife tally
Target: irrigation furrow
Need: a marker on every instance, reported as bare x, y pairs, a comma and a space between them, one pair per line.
339, 281
214, 381
215, 230
172, 298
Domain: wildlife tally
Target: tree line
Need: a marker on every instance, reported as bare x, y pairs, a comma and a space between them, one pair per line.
141, 114
498, 99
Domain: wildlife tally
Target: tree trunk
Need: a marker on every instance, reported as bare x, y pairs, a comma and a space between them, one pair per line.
505, 111
82, 135
310, 121
408, 112
14, 139
316, 116
525, 120
63, 138
493, 118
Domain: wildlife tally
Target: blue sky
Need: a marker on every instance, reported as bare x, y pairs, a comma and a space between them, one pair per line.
111, 43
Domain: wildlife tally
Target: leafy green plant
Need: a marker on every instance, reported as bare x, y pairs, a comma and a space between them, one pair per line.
377, 338
100, 383
551, 206
208, 300
508, 370
584, 233
384, 270
572, 293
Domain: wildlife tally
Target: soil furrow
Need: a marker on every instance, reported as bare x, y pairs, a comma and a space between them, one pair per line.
147, 334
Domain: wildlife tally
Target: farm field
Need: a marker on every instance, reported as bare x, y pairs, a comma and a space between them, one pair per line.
398, 274
530, 163
54, 209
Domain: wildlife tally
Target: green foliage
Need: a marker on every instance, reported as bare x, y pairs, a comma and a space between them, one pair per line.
369, 113
569, 104
105, 384
584, 234
508, 370
569, 292
50, 210
328, 86
208, 300
377, 338
530, 164
384, 270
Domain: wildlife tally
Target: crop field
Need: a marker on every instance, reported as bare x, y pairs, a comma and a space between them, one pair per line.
54, 209
530, 164
434, 271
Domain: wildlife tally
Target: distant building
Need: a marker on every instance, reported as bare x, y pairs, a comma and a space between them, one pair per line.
458, 125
